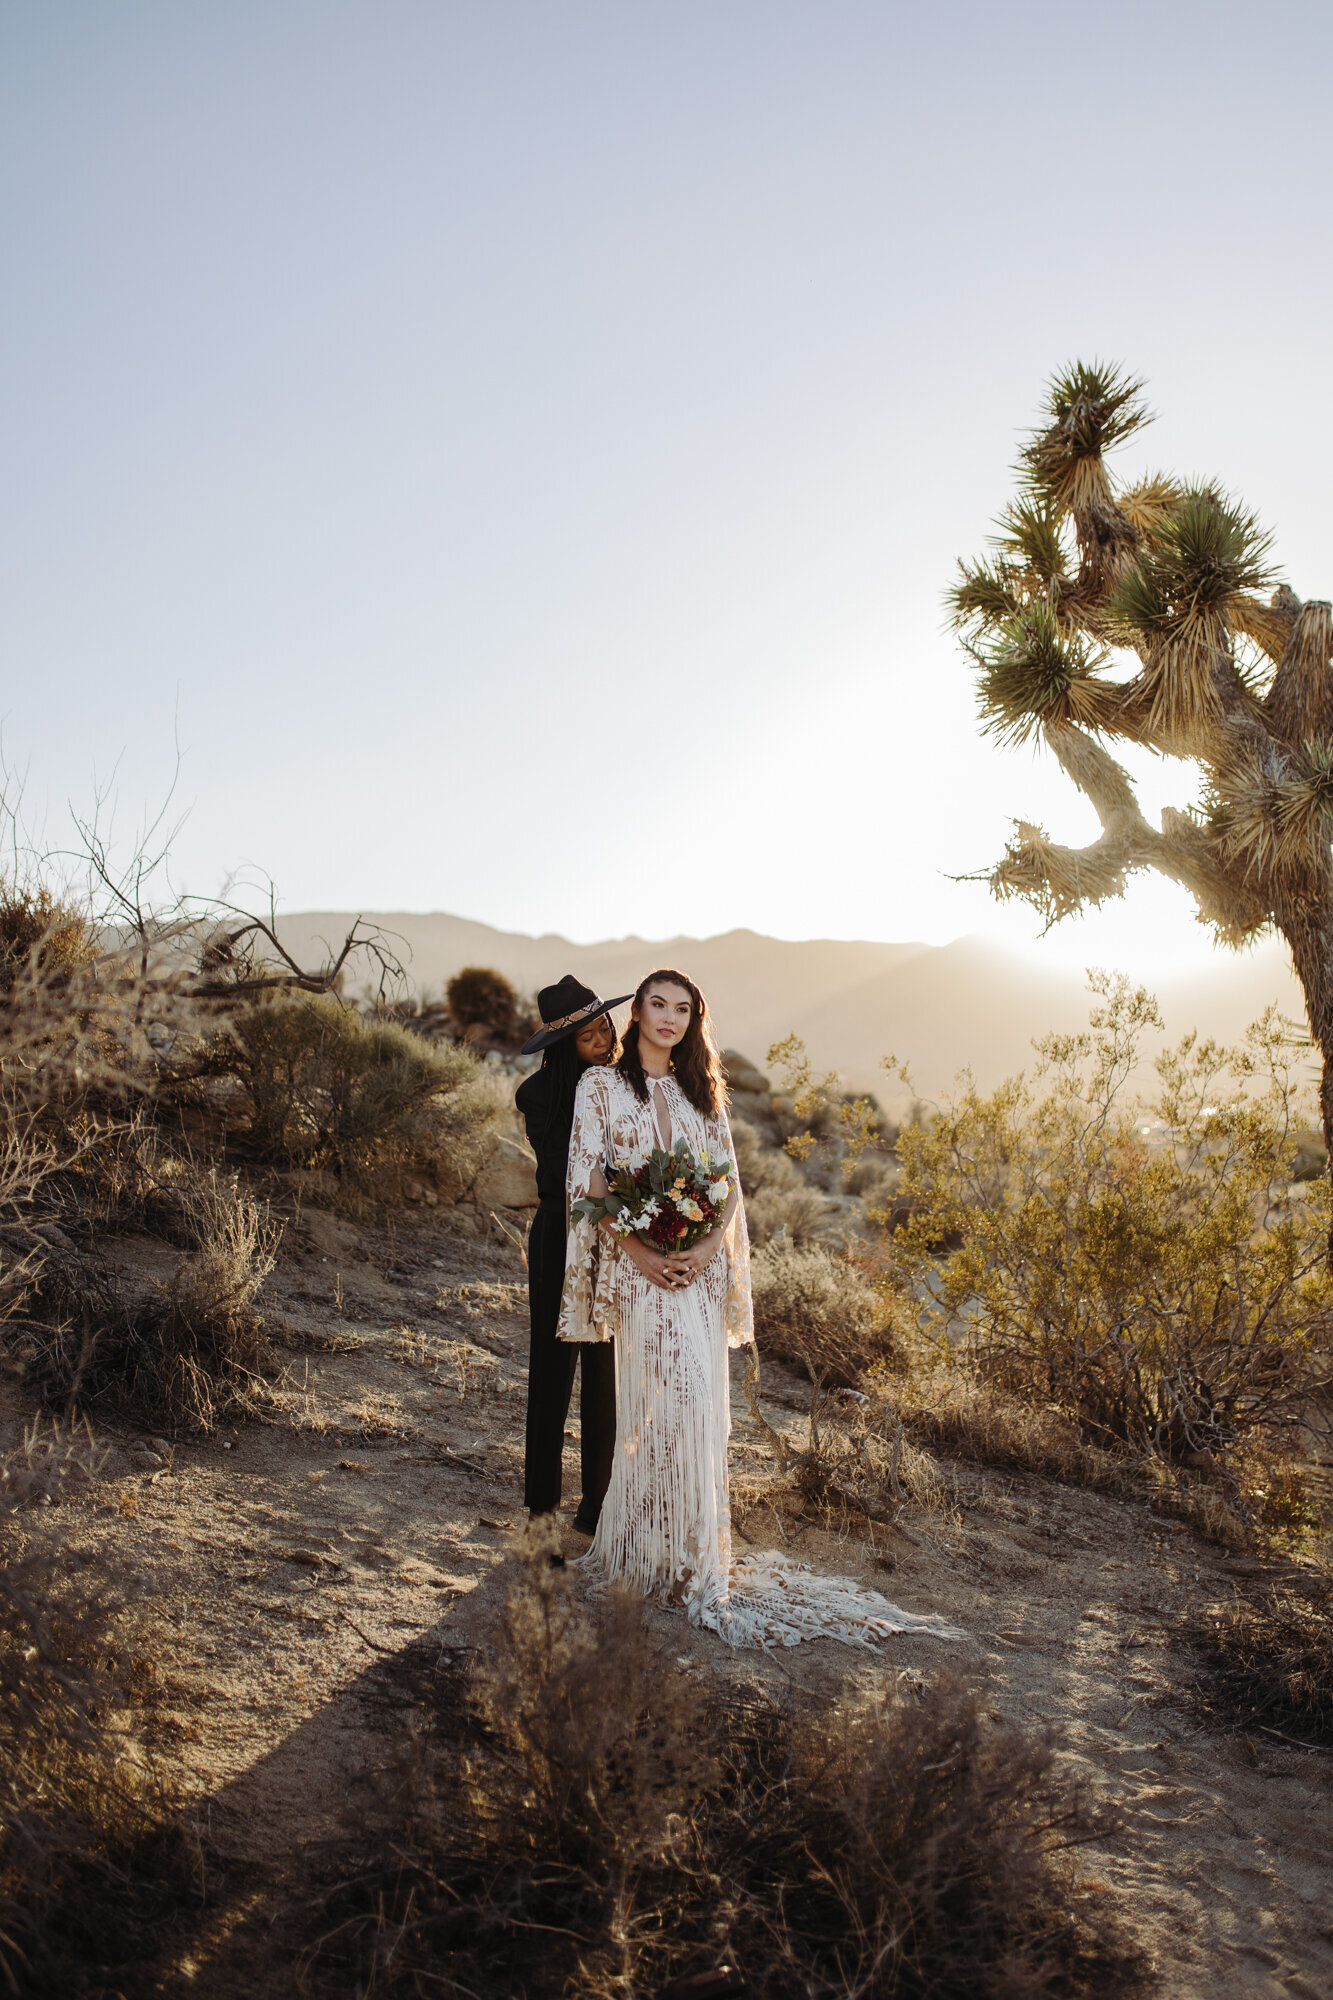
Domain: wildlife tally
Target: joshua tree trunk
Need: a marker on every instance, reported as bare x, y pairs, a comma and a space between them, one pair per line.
1166, 575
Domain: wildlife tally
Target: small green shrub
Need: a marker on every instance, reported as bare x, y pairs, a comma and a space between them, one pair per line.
479, 997
816, 1311
330, 1089
836, 1128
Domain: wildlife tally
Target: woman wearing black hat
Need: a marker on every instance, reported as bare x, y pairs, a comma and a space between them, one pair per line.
673, 1314
576, 1034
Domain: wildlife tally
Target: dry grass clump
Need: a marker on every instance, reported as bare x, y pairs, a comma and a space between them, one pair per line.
40, 935
859, 1465
72, 1798
948, 1410
945, 1407
181, 1355
861, 1461
817, 1311
1268, 1658
327, 1087
581, 1817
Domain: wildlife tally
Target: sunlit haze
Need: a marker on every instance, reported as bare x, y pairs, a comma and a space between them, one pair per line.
519, 451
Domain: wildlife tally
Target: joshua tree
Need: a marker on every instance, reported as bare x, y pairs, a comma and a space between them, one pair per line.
1170, 573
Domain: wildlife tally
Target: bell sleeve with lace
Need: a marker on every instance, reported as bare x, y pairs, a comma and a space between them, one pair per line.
587, 1303
739, 1308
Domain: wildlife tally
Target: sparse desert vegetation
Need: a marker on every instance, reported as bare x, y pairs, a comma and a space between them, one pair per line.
264, 1564
575, 1814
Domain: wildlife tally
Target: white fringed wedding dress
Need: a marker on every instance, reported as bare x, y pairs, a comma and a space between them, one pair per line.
666, 1520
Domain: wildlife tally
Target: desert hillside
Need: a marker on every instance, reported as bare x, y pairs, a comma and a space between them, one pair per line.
937, 1007
293, 1701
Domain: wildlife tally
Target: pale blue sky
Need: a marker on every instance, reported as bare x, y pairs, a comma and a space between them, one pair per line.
526, 444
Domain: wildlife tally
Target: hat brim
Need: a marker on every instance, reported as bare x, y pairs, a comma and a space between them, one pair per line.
544, 1037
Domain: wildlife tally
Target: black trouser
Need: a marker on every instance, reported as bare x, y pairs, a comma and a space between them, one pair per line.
551, 1366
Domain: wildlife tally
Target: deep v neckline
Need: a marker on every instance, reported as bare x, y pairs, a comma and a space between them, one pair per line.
660, 1110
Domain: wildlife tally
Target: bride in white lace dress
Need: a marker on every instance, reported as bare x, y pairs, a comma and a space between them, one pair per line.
666, 1522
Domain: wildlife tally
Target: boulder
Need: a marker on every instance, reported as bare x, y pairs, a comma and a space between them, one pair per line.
329, 1236
509, 1177
742, 1074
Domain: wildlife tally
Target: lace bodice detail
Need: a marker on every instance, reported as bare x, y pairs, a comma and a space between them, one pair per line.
612, 1123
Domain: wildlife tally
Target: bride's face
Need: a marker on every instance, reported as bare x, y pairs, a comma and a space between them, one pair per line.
664, 1015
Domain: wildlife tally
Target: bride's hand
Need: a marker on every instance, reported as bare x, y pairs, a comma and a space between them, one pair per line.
666, 1271
697, 1258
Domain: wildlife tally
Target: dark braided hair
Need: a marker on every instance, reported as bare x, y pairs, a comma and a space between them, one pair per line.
695, 1062
564, 1066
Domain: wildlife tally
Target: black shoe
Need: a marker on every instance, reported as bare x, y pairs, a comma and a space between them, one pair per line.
585, 1523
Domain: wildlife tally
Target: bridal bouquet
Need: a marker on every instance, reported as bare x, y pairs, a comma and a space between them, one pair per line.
669, 1200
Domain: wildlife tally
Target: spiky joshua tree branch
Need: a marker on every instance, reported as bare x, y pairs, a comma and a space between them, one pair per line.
1139, 614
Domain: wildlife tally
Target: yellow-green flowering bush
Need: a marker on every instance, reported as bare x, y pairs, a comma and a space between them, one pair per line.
1149, 1268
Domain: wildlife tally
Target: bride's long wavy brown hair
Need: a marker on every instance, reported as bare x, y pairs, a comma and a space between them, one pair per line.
695, 1062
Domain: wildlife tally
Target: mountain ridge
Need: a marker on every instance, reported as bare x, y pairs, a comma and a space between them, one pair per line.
939, 1008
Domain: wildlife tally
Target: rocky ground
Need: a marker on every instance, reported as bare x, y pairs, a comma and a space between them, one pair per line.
292, 1560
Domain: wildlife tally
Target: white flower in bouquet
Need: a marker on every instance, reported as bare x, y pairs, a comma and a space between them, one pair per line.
689, 1209
718, 1191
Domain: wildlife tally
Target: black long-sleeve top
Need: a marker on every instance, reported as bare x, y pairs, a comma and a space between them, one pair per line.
533, 1098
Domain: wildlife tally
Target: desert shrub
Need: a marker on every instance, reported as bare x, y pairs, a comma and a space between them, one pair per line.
835, 1128
479, 997
945, 1407
801, 1214
898, 1847
181, 1355
95, 1857
1268, 1658
779, 1195
581, 1817
763, 1167
68, 1793
861, 1461
1147, 1271
815, 1310
874, 1177
330, 1089
859, 1464
40, 932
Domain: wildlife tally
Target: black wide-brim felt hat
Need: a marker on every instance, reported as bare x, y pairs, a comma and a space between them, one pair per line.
565, 1008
